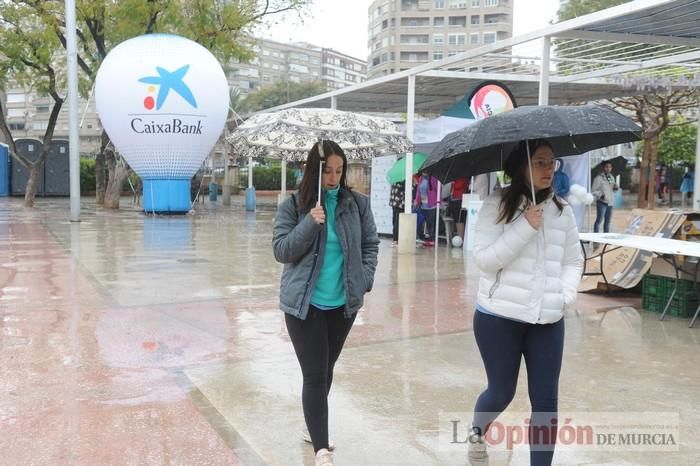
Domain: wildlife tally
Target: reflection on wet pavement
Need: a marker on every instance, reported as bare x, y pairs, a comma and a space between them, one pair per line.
128, 339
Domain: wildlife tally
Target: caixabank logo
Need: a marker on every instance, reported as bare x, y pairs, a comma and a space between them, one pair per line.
168, 85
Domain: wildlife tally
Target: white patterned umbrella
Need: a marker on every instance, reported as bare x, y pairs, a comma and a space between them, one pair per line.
290, 134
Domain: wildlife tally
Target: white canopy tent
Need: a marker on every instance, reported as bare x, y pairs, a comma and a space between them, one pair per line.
638, 46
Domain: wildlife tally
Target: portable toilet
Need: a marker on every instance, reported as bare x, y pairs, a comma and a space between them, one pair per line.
31, 150
4, 170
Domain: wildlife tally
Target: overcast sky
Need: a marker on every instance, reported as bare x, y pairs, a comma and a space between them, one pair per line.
342, 24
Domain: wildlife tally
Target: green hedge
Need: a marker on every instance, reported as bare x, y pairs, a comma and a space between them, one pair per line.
88, 183
87, 175
270, 178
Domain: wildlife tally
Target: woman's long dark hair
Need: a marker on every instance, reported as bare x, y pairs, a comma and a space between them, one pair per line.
515, 167
308, 188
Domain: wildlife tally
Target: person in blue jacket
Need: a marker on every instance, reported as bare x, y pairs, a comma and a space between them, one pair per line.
561, 183
687, 186
329, 250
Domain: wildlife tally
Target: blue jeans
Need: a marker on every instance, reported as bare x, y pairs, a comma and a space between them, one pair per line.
502, 343
603, 211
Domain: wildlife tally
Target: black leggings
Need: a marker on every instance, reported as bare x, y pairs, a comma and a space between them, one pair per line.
317, 342
502, 343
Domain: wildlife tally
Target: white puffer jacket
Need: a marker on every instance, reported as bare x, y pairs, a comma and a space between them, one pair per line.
527, 274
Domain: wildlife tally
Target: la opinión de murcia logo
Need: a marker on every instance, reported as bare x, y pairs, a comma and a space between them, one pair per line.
166, 81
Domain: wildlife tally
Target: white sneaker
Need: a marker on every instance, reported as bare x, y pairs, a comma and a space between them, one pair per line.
324, 458
307, 438
478, 455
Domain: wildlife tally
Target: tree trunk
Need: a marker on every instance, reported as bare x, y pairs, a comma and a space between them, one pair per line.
100, 179
112, 194
645, 178
101, 171
30, 189
652, 141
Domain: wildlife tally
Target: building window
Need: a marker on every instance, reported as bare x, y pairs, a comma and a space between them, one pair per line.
17, 126
16, 98
15, 112
475, 19
491, 2
439, 21
474, 38
457, 39
457, 3
438, 40
460, 21
489, 37
385, 24
439, 4
437, 55
475, 3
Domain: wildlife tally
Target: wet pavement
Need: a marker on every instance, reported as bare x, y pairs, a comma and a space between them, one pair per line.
130, 339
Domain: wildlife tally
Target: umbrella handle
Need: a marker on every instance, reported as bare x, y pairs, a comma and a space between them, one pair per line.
320, 174
322, 157
529, 166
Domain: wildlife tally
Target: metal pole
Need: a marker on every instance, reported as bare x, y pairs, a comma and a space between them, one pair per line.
226, 189
544, 71
407, 220
696, 187
73, 130
408, 188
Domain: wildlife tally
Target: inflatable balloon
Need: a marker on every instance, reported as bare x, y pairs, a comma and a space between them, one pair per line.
163, 100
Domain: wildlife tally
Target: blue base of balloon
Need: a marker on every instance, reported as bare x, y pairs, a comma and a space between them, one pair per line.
166, 196
250, 199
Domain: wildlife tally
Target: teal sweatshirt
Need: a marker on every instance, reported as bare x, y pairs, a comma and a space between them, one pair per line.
330, 290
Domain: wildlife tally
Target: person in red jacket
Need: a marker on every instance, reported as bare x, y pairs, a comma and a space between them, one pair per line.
454, 207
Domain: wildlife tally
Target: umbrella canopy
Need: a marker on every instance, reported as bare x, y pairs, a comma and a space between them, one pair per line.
290, 134
483, 146
618, 166
397, 172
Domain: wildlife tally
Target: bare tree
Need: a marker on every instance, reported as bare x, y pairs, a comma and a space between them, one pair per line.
655, 112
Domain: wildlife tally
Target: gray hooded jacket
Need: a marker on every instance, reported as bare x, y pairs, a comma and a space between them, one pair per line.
300, 244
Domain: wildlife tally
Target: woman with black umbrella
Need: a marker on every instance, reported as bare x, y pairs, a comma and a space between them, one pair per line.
526, 248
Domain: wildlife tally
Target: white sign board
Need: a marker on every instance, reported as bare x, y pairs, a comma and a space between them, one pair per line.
380, 191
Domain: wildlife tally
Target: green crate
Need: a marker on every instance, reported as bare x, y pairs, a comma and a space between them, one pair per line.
682, 304
658, 286
653, 285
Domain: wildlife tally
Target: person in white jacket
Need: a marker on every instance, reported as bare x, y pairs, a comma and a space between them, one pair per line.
530, 263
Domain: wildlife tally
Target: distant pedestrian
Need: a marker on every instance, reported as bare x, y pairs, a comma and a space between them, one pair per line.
603, 189
396, 201
687, 186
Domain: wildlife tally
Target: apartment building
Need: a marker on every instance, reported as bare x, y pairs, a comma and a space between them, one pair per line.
277, 61
28, 117
406, 33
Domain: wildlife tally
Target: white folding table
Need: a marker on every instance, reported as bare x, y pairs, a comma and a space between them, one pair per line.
666, 248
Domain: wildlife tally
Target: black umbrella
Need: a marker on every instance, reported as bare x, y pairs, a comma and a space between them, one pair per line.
483, 146
618, 166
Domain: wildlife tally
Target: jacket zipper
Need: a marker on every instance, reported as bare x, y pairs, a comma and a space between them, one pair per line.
313, 269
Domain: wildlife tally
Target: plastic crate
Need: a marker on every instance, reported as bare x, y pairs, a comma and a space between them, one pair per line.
657, 289
682, 304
